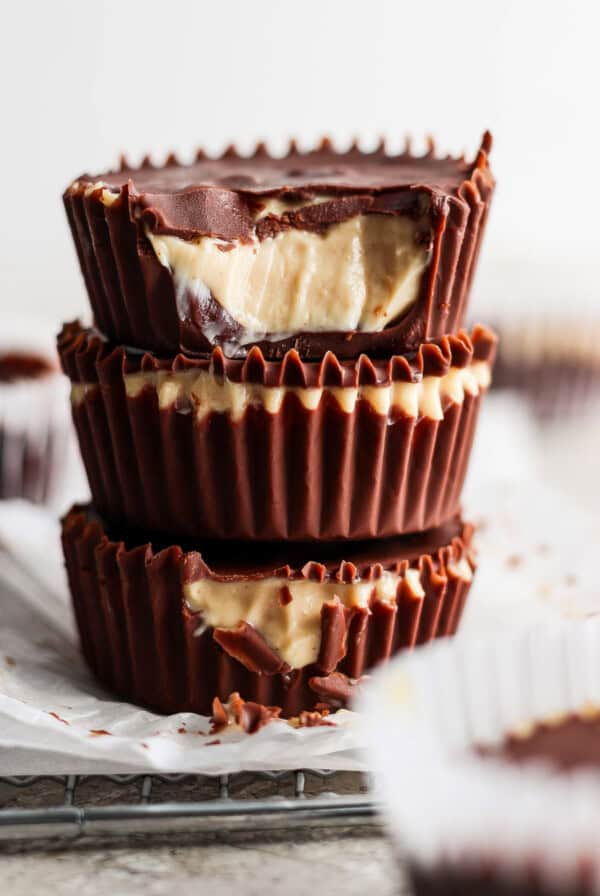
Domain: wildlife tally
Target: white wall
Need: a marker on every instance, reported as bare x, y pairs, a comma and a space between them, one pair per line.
82, 81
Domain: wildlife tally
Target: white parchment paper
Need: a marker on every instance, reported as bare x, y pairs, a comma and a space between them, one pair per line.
538, 545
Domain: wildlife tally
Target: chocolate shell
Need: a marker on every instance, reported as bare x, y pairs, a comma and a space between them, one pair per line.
133, 296
144, 643
294, 473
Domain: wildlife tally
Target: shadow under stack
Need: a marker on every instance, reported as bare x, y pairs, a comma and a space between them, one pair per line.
275, 408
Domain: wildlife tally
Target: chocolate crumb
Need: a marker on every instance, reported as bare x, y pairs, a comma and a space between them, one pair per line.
99, 732
249, 716
308, 719
10, 661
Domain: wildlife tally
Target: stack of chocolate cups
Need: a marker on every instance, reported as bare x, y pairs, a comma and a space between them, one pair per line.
275, 407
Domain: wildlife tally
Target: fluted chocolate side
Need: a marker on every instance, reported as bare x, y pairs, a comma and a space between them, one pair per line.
134, 299
296, 474
143, 642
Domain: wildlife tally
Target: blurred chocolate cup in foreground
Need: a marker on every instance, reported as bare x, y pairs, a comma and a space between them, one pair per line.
553, 360
294, 626
36, 434
486, 756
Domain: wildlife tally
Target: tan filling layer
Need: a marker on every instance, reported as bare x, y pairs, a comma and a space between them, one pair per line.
294, 630
360, 275
209, 393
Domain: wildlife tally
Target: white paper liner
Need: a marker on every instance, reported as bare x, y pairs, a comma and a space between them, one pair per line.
445, 804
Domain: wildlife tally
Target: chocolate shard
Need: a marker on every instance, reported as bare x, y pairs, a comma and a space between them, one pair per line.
249, 716
308, 719
220, 716
254, 716
335, 690
347, 572
316, 572
249, 647
333, 635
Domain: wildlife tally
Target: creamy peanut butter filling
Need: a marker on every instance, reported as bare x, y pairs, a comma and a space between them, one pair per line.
361, 274
208, 393
293, 630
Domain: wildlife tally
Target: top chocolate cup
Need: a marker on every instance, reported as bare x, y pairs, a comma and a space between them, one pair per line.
321, 251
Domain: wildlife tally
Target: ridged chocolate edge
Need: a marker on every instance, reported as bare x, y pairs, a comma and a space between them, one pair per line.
133, 295
296, 474
87, 357
140, 638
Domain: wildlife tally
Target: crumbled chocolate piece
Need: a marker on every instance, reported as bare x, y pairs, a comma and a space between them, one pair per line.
333, 635
335, 690
249, 716
249, 647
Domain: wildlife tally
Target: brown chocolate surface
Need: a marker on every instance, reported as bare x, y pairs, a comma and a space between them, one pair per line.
219, 197
15, 366
134, 298
342, 561
298, 474
569, 743
142, 640
87, 357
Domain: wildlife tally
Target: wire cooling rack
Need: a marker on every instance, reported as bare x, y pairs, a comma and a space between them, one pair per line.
70, 807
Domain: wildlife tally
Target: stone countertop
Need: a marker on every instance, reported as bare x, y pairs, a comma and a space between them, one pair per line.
293, 863
308, 862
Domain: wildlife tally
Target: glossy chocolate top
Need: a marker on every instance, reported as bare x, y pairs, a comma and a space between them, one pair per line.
343, 560
221, 197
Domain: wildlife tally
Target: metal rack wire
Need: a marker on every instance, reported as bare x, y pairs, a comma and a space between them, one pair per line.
204, 803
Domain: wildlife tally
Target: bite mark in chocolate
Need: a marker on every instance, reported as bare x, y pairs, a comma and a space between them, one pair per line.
230, 201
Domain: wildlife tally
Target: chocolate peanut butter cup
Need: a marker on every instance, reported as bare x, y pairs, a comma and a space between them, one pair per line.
317, 251
292, 450
175, 626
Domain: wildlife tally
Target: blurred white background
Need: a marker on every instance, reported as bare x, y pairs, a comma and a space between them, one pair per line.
84, 81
